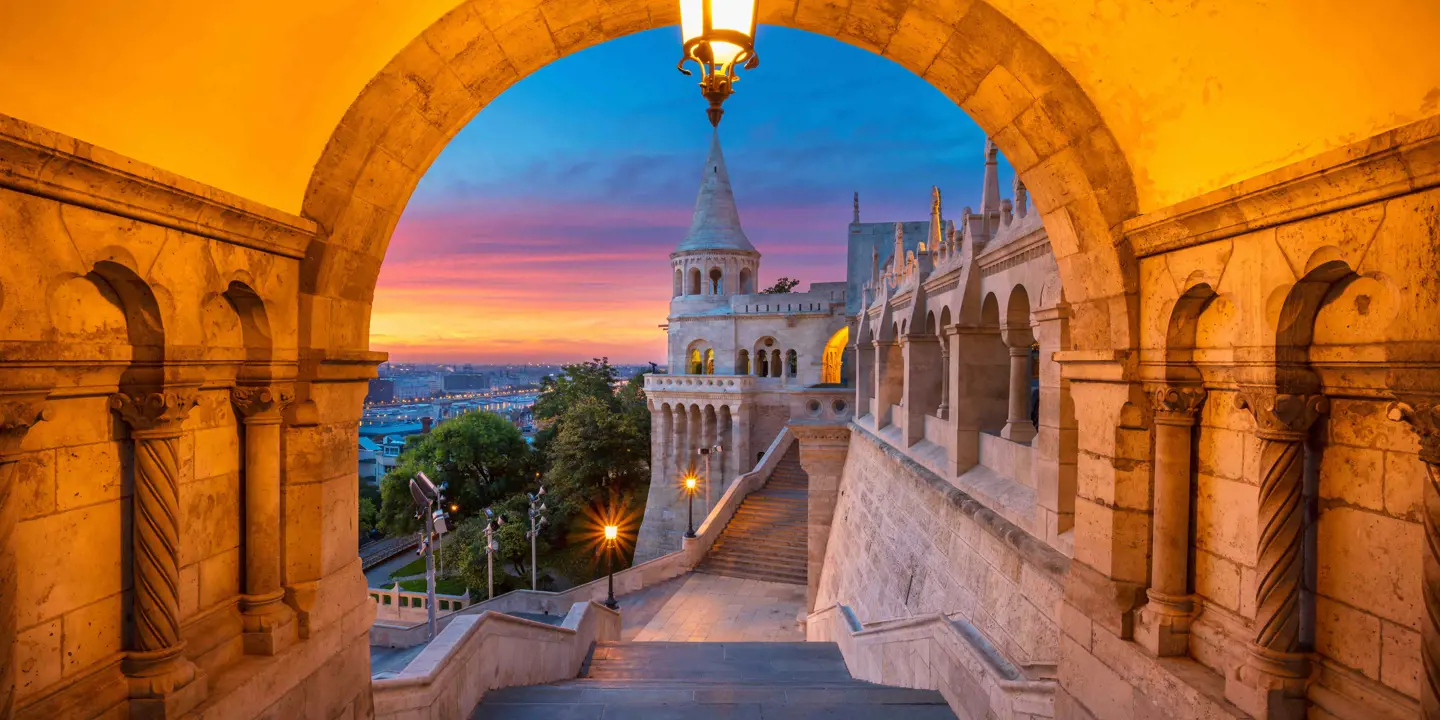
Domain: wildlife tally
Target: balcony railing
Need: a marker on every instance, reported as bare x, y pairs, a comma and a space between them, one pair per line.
700, 383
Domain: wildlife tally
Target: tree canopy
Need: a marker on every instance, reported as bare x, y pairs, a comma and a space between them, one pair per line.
782, 286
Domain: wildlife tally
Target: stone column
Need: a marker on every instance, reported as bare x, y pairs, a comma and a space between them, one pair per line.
1272, 683
889, 375
1164, 625
163, 682
661, 463
921, 353
741, 451
864, 379
18, 413
709, 436
265, 616
1018, 427
822, 455
678, 441
964, 446
943, 412
1423, 414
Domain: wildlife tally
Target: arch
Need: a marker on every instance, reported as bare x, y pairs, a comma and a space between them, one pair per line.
254, 322
792, 364
833, 362
679, 285
1181, 332
747, 281
717, 281
742, 362
695, 287
1078, 177
709, 359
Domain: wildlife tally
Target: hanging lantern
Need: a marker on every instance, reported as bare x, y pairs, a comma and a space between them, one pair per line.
718, 35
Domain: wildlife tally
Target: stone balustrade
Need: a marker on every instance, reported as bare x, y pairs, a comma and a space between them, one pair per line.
701, 383
477, 653
396, 605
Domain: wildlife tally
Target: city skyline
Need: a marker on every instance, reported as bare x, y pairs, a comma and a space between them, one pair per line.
512, 253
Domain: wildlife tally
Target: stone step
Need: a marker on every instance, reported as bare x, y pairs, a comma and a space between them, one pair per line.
750, 573
786, 546
758, 566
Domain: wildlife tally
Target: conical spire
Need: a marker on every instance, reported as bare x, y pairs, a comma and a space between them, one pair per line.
990, 189
716, 223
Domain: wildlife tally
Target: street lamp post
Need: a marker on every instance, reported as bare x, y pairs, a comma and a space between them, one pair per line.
718, 35
611, 534
426, 497
690, 490
706, 453
491, 547
537, 521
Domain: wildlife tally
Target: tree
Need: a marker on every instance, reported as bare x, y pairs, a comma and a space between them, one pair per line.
480, 457
781, 286
593, 379
597, 449
369, 515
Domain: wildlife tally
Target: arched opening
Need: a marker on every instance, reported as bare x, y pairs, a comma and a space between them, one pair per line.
709, 361
792, 364
833, 365
989, 366
695, 364
777, 369
717, 286
742, 362
747, 281
679, 286
1023, 382
695, 288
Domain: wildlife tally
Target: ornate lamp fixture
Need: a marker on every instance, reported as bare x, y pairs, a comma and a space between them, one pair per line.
718, 35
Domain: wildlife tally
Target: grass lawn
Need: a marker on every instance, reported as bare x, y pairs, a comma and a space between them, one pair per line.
443, 586
414, 567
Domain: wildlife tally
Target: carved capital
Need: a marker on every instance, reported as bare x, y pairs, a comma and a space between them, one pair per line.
154, 412
1177, 402
17, 416
1279, 416
1423, 415
261, 402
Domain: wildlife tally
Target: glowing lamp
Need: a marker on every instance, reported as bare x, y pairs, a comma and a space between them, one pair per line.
611, 532
690, 483
718, 35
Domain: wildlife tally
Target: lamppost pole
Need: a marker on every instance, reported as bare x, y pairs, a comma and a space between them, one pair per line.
611, 534
537, 521
690, 491
491, 546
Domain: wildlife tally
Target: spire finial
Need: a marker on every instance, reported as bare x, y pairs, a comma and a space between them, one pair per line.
937, 229
990, 189
856, 219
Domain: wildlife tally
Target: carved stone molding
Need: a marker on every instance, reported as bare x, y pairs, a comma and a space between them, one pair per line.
16, 419
1423, 415
1281, 416
1177, 402
260, 403
159, 412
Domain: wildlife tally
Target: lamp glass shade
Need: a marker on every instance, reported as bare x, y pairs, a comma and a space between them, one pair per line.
733, 15
689, 483
611, 532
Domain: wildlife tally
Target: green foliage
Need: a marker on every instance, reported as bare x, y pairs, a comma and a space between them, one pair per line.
597, 449
443, 586
369, 515
781, 286
481, 458
591, 379
414, 567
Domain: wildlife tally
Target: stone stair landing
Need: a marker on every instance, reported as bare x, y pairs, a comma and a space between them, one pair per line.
766, 538
705, 681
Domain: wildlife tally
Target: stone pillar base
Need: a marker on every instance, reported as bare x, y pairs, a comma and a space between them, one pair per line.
1020, 432
268, 623
163, 684
1271, 685
1163, 625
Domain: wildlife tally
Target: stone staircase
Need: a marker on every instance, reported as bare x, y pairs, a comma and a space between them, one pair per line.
766, 538
703, 681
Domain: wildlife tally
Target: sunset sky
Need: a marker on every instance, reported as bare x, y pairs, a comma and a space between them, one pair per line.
542, 233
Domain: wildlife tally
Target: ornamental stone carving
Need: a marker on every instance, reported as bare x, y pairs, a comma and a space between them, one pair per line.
155, 412
261, 401
1423, 415
1177, 400
1281, 416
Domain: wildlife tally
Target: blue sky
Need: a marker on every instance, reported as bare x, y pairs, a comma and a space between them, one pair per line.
543, 230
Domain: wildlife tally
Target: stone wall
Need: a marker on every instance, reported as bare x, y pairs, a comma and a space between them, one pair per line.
904, 543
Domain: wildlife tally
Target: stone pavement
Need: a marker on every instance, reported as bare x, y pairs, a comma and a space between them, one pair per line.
714, 608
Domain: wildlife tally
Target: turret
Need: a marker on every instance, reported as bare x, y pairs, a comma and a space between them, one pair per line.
715, 259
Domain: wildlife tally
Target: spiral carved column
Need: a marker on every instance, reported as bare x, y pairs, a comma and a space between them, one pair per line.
1273, 681
163, 682
1164, 625
17, 416
1423, 414
265, 616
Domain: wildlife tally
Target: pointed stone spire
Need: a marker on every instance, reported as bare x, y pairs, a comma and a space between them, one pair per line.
856, 218
716, 223
898, 259
937, 226
990, 189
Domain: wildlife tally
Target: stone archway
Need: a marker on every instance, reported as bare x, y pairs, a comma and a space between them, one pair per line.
1011, 86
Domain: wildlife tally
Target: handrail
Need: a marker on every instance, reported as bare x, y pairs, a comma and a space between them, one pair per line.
954, 648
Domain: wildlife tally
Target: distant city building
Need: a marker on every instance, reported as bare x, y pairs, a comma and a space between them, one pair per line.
382, 390
462, 382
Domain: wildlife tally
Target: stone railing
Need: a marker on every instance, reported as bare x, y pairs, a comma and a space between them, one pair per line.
406, 606
827, 404
629, 580
478, 653
700, 383
932, 652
